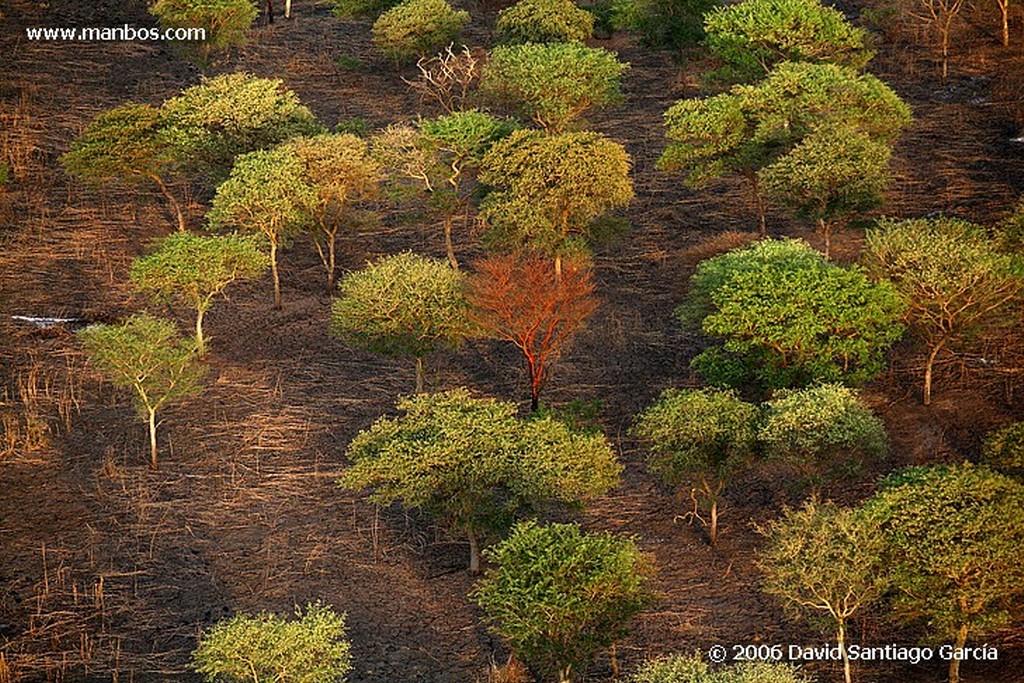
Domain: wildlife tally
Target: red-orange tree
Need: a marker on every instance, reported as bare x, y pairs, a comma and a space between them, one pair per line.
519, 298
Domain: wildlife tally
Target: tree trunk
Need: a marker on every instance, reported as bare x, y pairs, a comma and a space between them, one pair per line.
713, 529
954, 663
826, 233
152, 439
1004, 9
270, 11
419, 374
534, 385
179, 214
449, 248
945, 54
287, 9
841, 639
273, 270
331, 261
200, 342
474, 551
759, 202
928, 370
558, 268
565, 675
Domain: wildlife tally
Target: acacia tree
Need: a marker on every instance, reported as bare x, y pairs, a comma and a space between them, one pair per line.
194, 269
950, 275
559, 595
831, 174
521, 299
553, 83
939, 16
820, 322
754, 35
342, 174
225, 21
701, 439
145, 354
210, 124
475, 465
403, 305
266, 194
753, 126
953, 538
125, 143
550, 189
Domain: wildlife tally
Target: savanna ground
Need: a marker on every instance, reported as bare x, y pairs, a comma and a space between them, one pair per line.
108, 571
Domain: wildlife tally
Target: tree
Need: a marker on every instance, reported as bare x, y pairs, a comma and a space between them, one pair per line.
821, 428
1003, 450
224, 21
521, 299
193, 269
447, 77
342, 174
693, 669
402, 305
950, 274
665, 24
125, 143
146, 355
559, 595
753, 126
1004, 21
544, 21
210, 124
416, 28
266, 647
953, 539
267, 194
548, 190
754, 35
553, 83
824, 560
831, 174
939, 16
475, 465
701, 439
787, 317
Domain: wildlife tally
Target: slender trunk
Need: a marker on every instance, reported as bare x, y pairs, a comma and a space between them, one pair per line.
179, 215
759, 202
928, 370
534, 386
558, 268
945, 54
713, 529
954, 663
565, 675
152, 439
331, 261
449, 248
273, 270
474, 551
287, 9
419, 374
826, 233
1004, 6
841, 639
200, 342
270, 11
613, 655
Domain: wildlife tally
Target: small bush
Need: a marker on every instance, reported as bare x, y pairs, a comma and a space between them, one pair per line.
416, 28
544, 21
559, 595
265, 647
692, 669
1004, 449
663, 24
225, 21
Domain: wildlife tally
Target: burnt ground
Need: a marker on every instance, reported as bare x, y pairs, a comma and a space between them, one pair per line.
108, 571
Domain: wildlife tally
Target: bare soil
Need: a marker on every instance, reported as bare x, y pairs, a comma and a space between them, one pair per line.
108, 571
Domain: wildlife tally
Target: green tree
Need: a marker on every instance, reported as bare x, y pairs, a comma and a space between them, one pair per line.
950, 273
266, 194
825, 562
476, 466
831, 174
664, 24
544, 21
548, 190
342, 174
416, 28
700, 439
750, 127
553, 83
693, 669
145, 354
225, 21
210, 124
1003, 450
194, 269
403, 305
953, 536
125, 143
559, 595
821, 429
754, 35
787, 317
267, 648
